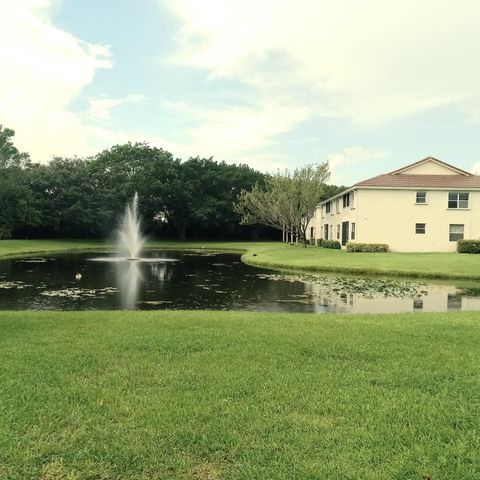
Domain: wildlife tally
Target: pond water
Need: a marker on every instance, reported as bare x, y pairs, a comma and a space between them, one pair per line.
200, 280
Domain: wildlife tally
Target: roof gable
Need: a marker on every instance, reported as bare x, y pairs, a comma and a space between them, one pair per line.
430, 166
426, 173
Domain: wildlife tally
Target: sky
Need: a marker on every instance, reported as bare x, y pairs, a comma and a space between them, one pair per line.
369, 86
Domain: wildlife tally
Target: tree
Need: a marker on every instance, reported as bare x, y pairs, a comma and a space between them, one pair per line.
288, 200
15, 196
10, 156
70, 199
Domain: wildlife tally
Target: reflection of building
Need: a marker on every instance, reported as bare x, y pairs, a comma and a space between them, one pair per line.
440, 298
424, 207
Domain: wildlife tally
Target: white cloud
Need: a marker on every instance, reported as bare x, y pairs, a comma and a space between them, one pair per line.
42, 70
475, 168
238, 135
340, 162
99, 108
370, 61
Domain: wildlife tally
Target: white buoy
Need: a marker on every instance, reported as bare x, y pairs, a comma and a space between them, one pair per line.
78, 276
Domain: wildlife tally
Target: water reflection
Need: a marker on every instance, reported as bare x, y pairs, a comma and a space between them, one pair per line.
221, 282
129, 280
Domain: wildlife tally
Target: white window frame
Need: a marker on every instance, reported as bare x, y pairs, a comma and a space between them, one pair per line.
458, 206
450, 233
419, 228
424, 198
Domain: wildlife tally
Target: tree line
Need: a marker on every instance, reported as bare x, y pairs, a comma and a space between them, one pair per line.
85, 197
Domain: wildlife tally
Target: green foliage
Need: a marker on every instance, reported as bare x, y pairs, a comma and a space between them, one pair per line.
10, 156
85, 197
196, 195
319, 242
356, 247
287, 201
15, 195
334, 244
71, 200
468, 246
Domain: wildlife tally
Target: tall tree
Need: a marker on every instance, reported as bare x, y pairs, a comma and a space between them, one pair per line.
288, 200
70, 199
15, 196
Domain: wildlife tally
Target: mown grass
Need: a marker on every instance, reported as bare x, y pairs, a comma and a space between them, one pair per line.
215, 395
12, 248
421, 265
283, 256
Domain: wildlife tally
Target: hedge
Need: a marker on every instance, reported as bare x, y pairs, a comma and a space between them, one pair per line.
355, 247
468, 246
331, 244
319, 242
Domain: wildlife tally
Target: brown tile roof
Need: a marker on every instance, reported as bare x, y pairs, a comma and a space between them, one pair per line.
422, 181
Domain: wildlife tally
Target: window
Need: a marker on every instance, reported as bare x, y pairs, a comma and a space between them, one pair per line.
420, 228
421, 197
456, 232
457, 200
338, 232
326, 232
352, 233
352, 198
312, 232
337, 205
346, 200
327, 207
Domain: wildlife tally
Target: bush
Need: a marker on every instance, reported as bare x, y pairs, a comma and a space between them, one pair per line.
331, 244
312, 241
355, 247
319, 242
468, 246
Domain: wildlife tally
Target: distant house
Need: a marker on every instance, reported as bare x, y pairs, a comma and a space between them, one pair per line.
424, 207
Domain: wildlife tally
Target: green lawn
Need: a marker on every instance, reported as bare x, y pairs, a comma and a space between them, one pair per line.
214, 395
10, 248
427, 265
280, 255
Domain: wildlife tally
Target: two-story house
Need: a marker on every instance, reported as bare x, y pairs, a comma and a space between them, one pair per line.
424, 207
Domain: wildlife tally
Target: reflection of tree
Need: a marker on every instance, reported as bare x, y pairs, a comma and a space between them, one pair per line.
129, 279
161, 272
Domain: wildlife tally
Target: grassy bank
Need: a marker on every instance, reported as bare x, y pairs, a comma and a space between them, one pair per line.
14, 248
283, 256
214, 395
426, 265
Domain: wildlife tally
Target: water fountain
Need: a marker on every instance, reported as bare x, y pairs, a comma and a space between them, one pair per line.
130, 239
130, 242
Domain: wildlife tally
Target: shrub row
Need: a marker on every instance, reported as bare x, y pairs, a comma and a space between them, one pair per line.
355, 247
468, 246
328, 243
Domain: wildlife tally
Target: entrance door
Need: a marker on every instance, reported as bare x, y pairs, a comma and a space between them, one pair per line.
344, 233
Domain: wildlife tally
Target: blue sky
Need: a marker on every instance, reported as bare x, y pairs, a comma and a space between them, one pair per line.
369, 86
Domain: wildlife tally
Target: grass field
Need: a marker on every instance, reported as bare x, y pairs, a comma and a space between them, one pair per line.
214, 395
279, 255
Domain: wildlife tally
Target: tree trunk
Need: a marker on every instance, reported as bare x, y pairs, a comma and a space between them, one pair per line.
182, 231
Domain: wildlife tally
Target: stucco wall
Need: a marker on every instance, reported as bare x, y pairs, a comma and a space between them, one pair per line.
389, 216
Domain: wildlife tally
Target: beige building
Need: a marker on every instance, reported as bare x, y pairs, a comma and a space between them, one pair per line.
424, 207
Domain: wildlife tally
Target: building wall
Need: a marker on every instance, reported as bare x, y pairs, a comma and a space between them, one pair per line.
389, 216
334, 218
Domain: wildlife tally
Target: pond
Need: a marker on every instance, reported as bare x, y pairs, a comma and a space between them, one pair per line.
201, 280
